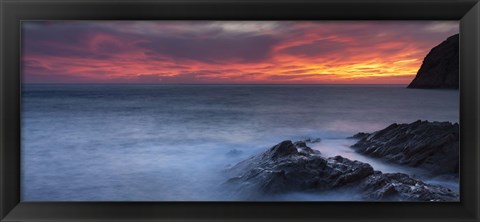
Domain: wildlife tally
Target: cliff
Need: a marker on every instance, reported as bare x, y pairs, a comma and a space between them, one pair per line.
440, 68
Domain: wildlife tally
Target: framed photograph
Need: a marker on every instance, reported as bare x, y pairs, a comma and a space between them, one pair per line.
239, 110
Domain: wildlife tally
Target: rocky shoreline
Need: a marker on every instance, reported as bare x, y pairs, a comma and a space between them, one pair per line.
295, 167
433, 146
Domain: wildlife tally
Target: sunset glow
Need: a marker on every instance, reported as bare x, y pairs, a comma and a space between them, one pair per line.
236, 52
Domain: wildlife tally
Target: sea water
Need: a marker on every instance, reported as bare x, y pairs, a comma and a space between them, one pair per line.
173, 142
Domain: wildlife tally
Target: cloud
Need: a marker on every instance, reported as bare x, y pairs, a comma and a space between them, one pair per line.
73, 39
183, 78
316, 48
228, 51
442, 27
211, 50
55, 78
249, 28
302, 77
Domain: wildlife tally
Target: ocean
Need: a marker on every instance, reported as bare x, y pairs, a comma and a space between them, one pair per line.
173, 142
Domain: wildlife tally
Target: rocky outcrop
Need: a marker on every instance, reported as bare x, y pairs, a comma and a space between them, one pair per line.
430, 145
292, 167
234, 152
312, 140
440, 68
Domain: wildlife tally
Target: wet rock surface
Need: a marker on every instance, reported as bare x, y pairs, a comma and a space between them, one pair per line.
292, 167
233, 152
433, 146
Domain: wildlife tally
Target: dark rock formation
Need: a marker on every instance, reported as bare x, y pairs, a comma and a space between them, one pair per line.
287, 167
401, 187
303, 149
440, 68
234, 152
359, 135
430, 145
312, 140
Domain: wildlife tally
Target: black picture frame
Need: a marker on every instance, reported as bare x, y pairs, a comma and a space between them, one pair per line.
14, 11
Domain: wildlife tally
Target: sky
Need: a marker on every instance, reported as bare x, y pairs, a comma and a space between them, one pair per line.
228, 52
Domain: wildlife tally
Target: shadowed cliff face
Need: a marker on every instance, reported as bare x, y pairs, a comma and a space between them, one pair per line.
440, 68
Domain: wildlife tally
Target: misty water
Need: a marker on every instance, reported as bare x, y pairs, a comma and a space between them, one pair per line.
173, 142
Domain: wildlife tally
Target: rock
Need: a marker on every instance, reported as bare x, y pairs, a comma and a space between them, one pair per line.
300, 144
233, 152
282, 149
312, 140
303, 149
440, 68
358, 135
286, 167
401, 187
430, 145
